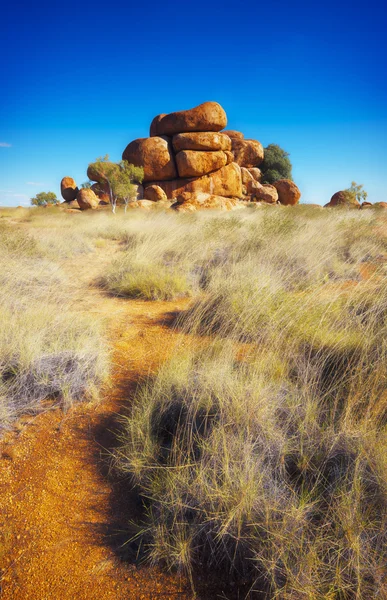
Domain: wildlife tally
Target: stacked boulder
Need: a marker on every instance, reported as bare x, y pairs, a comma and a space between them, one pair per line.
190, 159
191, 162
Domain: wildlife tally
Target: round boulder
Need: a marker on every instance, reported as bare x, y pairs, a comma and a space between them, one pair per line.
247, 153
154, 193
208, 116
154, 155
343, 199
87, 199
68, 189
288, 192
256, 173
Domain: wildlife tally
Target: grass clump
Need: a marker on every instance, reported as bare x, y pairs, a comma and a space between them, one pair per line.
262, 457
48, 351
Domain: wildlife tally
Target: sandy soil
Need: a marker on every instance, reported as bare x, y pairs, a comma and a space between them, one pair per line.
63, 518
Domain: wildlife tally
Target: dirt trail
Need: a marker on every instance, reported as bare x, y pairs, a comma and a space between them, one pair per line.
60, 516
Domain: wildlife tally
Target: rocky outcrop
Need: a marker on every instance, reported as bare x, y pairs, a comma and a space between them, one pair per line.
201, 141
247, 153
194, 163
68, 189
208, 116
288, 192
155, 155
154, 193
87, 199
189, 152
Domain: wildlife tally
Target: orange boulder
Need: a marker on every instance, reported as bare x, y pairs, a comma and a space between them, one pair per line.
68, 189
193, 163
154, 154
288, 192
208, 116
247, 153
87, 199
201, 141
154, 193
224, 182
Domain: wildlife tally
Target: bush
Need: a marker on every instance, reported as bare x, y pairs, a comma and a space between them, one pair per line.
276, 164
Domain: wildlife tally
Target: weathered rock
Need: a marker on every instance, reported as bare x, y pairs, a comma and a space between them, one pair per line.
68, 189
224, 182
154, 154
247, 179
201, 141
256, 173
154, 125
344, 200
98, 173
194, 163
247, 153
380, 205
190, 201
365, 205
234, 134
154, 193
208, 116
87, 199
288, 192
230, 156
265, 193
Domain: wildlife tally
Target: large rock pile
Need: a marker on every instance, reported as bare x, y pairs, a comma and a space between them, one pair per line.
191, 161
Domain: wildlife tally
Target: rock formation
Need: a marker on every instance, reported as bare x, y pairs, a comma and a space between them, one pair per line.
193, 162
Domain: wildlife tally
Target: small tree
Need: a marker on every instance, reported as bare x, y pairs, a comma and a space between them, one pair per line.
276, 164
44, 198
123, 186
119, 178
355, 193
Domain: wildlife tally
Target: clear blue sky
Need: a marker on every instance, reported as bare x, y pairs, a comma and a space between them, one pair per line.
80, 80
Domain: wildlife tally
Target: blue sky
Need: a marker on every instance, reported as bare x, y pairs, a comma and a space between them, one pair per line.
80, 80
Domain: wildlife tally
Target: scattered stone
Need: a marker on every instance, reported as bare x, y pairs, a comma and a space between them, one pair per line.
380, 205
143, 204
154, 154
193, 163
68, 189
154, 193
288, 192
